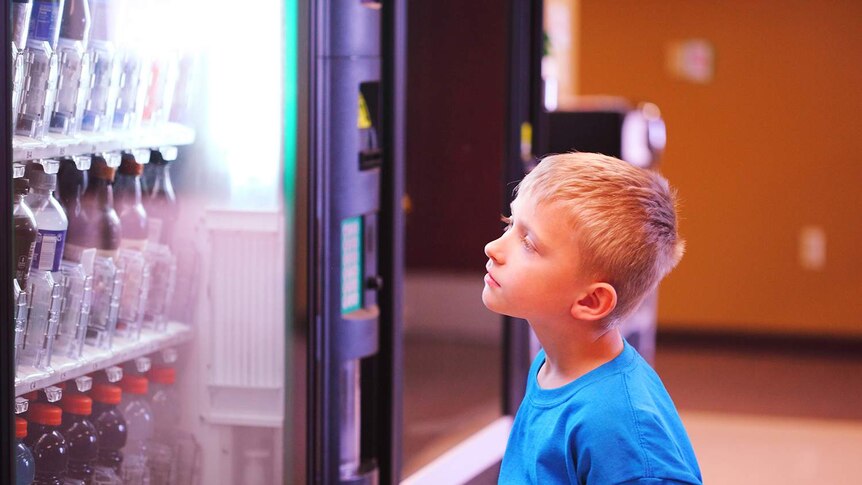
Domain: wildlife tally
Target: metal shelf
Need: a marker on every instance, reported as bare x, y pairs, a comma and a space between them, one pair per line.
63, 369
55, 146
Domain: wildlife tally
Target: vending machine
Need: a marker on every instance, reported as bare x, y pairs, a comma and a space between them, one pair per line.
201, 283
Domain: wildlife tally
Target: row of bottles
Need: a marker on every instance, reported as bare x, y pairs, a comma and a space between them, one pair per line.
113, 433
89, 265
87, 65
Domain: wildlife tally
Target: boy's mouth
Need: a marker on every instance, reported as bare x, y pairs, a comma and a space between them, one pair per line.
490, 281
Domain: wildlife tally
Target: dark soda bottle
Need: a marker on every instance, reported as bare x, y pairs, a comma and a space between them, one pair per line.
162, 201
103, 221
25, 233
129, 204
110, 424
81, 436
48, 445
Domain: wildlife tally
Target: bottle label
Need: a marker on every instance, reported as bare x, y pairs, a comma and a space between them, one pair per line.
22, 270
44, 20
49, 250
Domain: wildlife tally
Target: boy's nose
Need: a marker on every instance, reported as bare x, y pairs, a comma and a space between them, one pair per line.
492, 250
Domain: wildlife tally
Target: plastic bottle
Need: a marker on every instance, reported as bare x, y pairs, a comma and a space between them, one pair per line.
139, 417
102, 97
25, 233
81, 436
71, 185
21, 10
25, 464
110, 425
130, 207
40, 87
166, 416
99, 207
51, 221
161, 201
73, 66
48, 445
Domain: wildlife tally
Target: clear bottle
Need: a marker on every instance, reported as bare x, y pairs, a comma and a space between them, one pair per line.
139, 417
43, 316
49, 446
40, 63
129, 203
110, 425
104, 66
74, 68
21, 10
25, 232
51, 221
81, 436
25, 464
161, 202
168, 440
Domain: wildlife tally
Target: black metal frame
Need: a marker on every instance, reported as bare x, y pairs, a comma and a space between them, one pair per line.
7, 368
524, 89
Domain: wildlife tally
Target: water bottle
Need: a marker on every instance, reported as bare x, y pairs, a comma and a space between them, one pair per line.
51, 221
40, 65
81, 436
139, 418
25, 465
49, 447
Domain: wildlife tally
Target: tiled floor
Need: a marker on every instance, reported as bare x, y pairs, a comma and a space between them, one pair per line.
755, 416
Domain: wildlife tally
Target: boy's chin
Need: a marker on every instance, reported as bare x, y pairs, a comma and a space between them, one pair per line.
492, 304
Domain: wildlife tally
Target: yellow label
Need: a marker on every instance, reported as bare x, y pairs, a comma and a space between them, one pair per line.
364, 120
526, 133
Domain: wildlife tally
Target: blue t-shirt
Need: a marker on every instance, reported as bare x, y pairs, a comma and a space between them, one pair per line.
615, 424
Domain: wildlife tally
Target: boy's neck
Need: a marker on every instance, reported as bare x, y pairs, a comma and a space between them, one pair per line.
575, 352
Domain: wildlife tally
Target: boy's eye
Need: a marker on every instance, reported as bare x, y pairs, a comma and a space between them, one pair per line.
526, 243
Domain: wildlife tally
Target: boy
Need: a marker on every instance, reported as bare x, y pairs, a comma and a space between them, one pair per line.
589, 236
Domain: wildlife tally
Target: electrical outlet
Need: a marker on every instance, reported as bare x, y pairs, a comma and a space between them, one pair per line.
812, 248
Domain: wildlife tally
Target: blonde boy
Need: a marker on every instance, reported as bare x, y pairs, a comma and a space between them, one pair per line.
589, 237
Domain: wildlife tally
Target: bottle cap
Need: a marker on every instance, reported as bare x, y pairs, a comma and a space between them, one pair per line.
77, 403
21, 186
129, 165
44, 413
107, 393
135, 384
35, 173
20, 427
99, 169
163, 375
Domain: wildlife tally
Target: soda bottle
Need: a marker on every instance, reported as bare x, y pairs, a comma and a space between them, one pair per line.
49, 447
99, 203
25, 465
139, 417
110, 425
25, 233
51, 221
81, 436
162, 201
133, 216
163, 450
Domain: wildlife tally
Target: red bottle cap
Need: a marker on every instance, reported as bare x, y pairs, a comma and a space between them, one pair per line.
77, 403
20, 427
163, 375
44, 413
135, 384
107, 393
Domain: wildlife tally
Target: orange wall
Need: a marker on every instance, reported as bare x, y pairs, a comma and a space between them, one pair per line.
772, 144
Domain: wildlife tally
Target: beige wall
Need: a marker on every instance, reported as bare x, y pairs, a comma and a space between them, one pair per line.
772, 144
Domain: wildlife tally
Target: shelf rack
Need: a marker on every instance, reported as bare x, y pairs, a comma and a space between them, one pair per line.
95, 359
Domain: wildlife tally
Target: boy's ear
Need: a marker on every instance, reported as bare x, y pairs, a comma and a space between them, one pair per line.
595, 303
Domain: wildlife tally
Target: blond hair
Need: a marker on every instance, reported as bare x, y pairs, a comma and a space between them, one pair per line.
624, 218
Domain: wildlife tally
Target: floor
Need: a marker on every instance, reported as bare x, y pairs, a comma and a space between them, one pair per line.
755, 414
